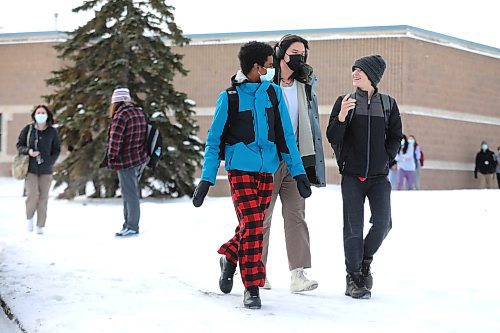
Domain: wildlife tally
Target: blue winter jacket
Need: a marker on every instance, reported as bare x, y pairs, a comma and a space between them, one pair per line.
257, 135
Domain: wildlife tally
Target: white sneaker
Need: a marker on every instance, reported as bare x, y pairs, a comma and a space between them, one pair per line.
29, 225
39, 230
267, 285
299, 282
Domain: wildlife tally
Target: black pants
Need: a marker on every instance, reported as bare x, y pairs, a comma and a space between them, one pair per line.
498, 179
354, 192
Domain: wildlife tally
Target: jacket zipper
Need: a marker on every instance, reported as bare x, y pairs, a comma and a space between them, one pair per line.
368, 142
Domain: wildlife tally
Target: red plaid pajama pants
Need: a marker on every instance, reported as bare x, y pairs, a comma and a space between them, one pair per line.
251, 194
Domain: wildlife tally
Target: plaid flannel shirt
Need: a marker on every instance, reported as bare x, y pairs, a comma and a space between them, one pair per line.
127, 138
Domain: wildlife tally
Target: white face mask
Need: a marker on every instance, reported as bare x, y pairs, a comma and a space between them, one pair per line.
269, 76
484, 147
41, 118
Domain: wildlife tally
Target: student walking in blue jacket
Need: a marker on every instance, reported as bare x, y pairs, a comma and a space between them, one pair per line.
253, 140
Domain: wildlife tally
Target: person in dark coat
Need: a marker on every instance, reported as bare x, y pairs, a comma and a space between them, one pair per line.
485, 167
367, 148
43, 147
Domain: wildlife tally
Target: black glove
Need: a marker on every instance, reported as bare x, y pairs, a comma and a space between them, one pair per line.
475, 174
303, 186
201, 192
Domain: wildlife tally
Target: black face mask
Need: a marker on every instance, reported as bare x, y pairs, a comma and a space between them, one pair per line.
296, 62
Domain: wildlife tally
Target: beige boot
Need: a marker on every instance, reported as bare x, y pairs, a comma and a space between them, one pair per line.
300, 282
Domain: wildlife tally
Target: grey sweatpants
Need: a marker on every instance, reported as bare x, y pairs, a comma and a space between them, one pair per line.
293, 211
129, 185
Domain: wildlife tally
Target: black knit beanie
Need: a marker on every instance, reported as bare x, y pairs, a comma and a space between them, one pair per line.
373, 66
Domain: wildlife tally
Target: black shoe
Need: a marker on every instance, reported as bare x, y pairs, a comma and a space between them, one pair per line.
356, 286
227, 270
251, 299
367, 275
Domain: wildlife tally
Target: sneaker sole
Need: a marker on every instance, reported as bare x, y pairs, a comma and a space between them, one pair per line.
309, 288
128, 235
253, 307
367, 295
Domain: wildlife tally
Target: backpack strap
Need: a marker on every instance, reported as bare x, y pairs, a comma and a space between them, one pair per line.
233, 104
387, 106
272, 96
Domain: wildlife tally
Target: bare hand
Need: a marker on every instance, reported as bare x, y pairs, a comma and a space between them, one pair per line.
348, 103
33, 153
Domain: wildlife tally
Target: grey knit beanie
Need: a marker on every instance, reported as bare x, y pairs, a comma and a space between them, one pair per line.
373, 66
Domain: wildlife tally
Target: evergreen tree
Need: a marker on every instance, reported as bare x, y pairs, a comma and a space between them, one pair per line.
127, 44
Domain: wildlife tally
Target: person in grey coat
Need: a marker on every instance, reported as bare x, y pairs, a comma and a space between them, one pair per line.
298, 83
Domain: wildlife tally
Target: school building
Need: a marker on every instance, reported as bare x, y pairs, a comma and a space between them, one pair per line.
446, 88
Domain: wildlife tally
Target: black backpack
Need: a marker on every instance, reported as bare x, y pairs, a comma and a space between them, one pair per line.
233, 108
387, 103
154, 144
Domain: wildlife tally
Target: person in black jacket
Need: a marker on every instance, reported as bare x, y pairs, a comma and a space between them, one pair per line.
486, 165
368, 143
44, 148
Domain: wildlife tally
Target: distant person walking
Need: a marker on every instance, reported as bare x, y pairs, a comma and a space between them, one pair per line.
406, 164
419, 161
485, 167
259, 133
126, 154
298, 83
44, 148
366, 140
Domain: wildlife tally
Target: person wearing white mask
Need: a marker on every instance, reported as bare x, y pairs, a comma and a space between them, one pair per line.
252, 131
485, 167
41, 142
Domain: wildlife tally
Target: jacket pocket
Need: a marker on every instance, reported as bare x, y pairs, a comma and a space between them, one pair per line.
241, 129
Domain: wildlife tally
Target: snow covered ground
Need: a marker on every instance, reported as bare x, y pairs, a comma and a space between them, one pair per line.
437, 271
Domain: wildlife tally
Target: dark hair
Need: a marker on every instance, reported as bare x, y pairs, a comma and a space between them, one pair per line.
279, 53
253, 52
405, 146
285, 42
50, 116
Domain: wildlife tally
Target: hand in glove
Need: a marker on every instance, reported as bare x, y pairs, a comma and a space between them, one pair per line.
201, 192
303, 186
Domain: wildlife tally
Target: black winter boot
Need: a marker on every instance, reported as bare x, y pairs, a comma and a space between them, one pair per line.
356, 286
251, 299
227, 269
367, 275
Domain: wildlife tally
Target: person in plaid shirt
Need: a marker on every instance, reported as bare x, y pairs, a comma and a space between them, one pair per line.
256, 140
126, 154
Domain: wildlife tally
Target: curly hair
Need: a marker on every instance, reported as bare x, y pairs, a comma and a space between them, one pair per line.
253, 52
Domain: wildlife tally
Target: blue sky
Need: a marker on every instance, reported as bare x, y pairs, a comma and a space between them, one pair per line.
476, 21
